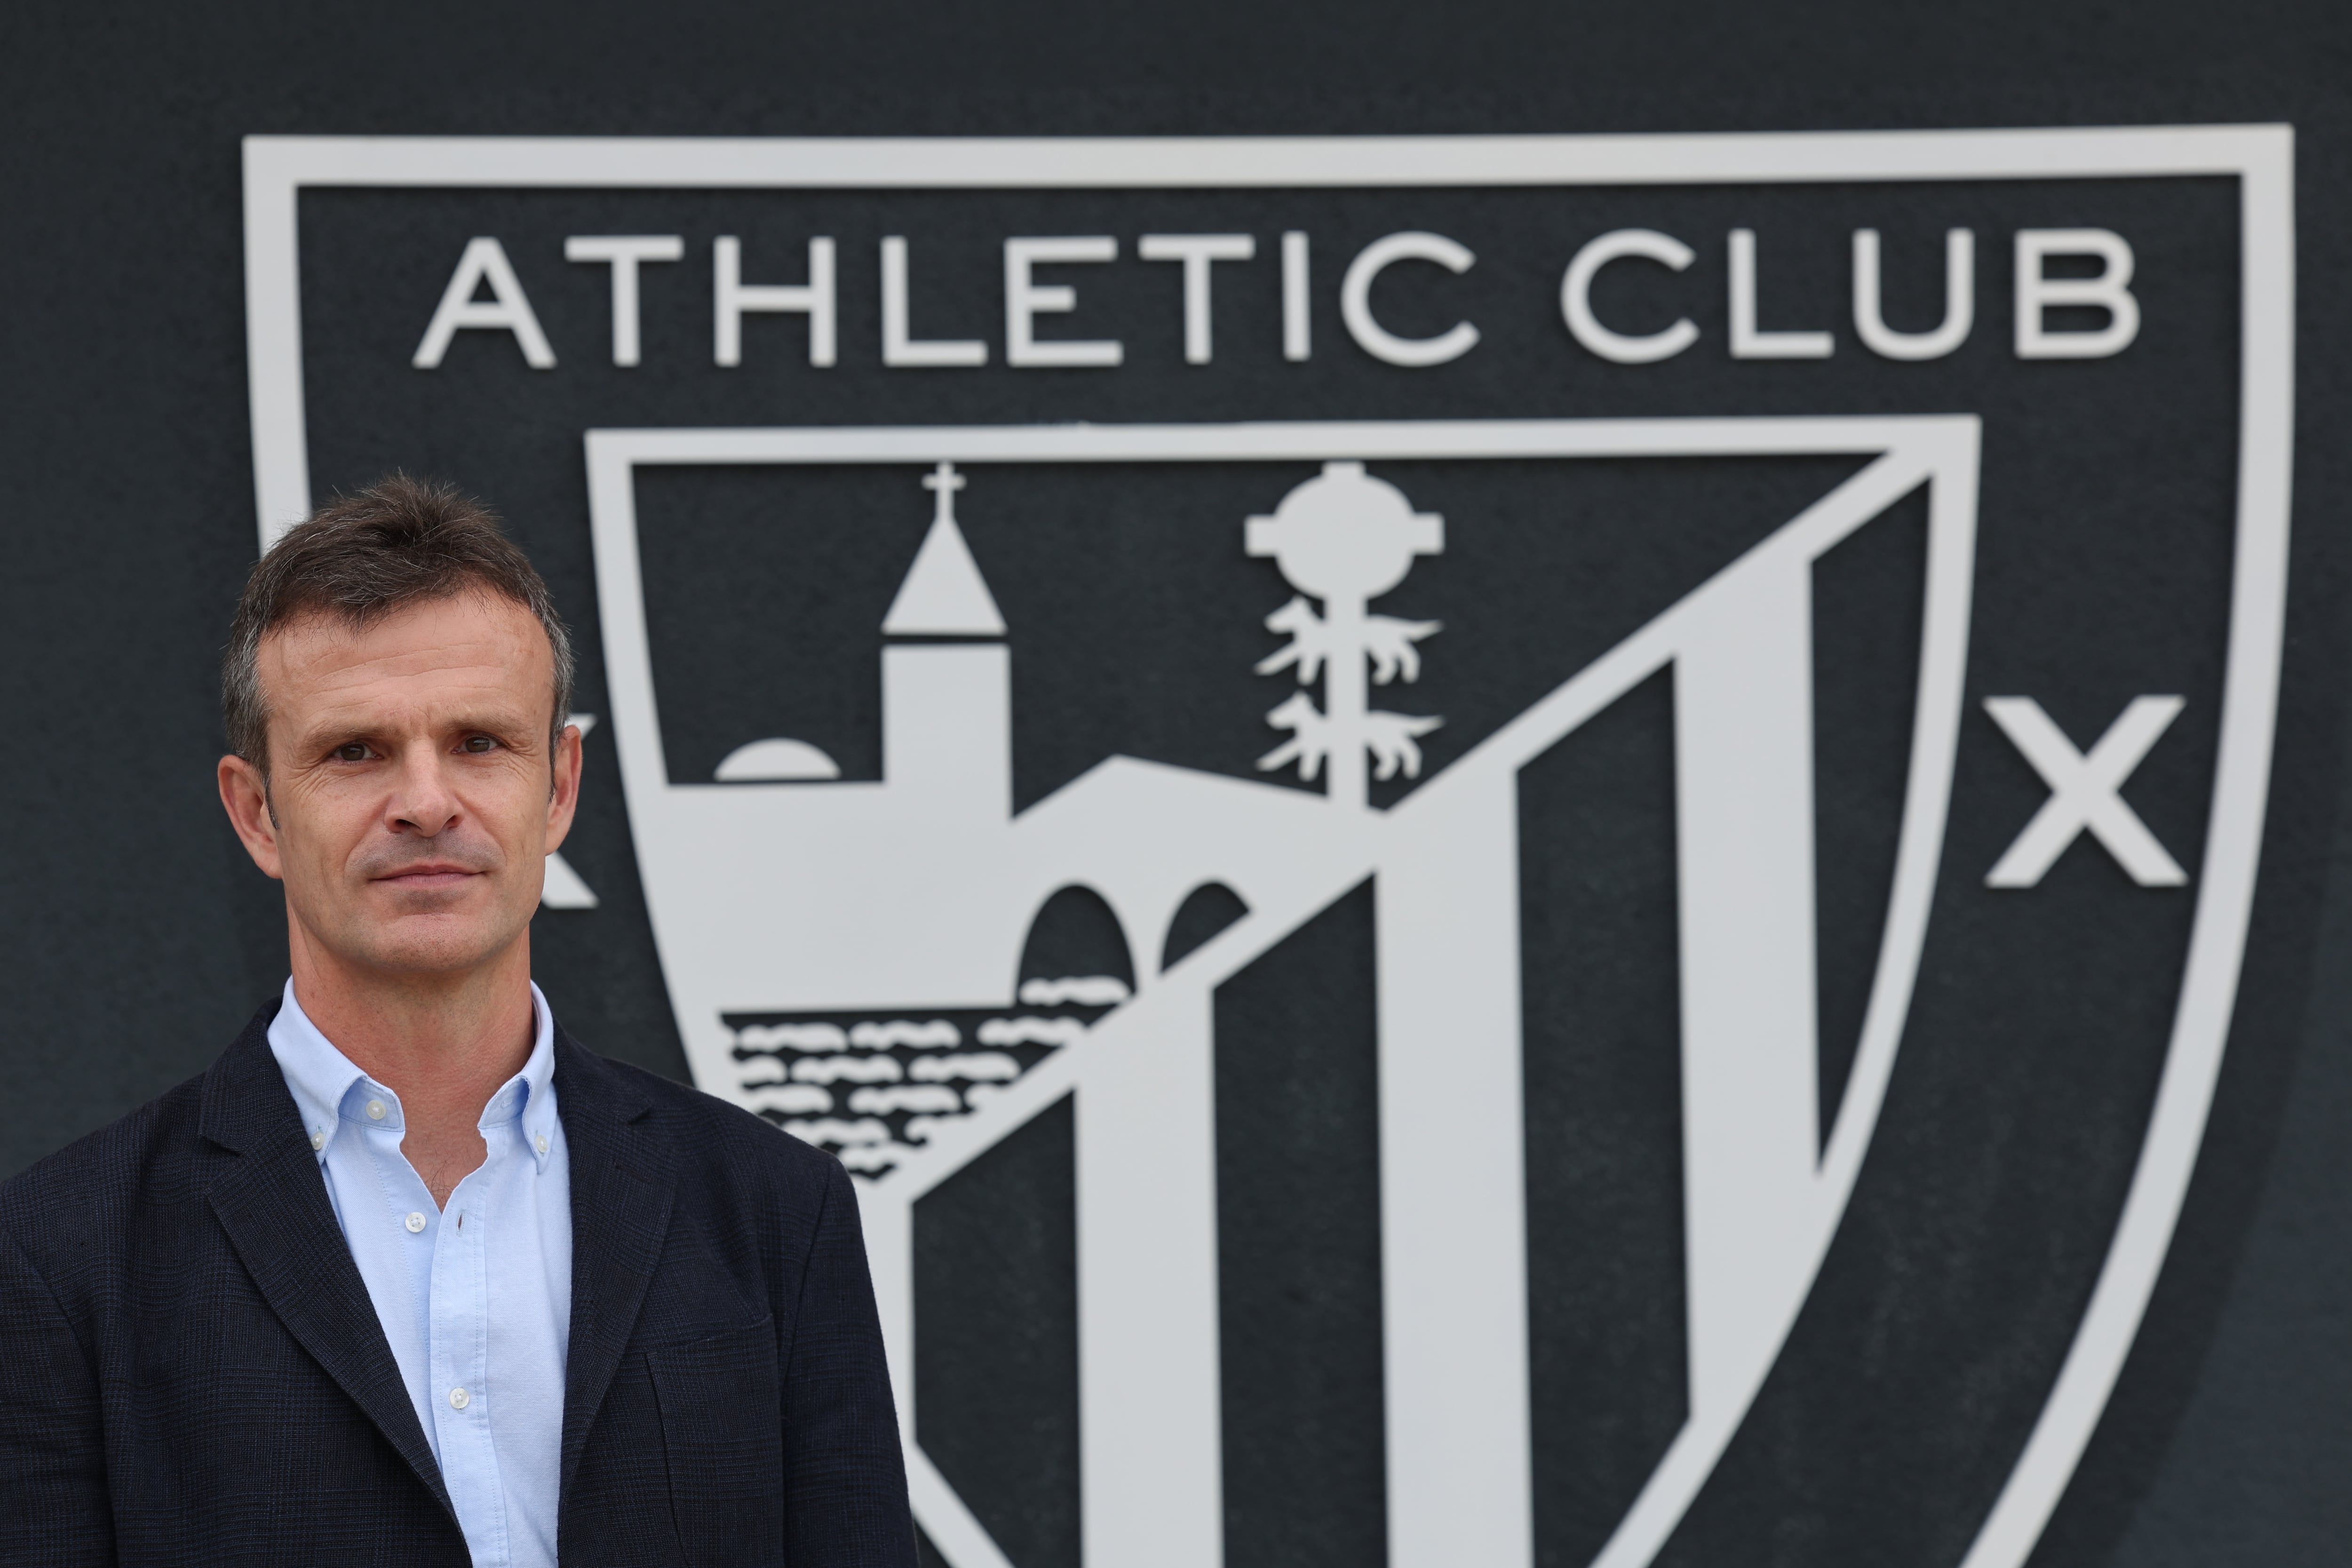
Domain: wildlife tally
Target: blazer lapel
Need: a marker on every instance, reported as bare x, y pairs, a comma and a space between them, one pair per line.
272, 1201
621, 1189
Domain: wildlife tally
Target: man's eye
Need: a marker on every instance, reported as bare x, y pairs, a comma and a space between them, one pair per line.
351, 752
479, 743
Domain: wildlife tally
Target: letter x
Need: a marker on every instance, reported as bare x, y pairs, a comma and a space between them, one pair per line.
2083, 792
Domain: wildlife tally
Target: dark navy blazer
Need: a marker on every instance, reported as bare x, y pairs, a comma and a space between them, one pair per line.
191, 1371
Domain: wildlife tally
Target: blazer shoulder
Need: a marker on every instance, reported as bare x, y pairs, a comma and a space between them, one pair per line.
85, 1192
704, 1122
77, 1215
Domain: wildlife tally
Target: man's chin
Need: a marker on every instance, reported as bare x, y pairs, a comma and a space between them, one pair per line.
438, 942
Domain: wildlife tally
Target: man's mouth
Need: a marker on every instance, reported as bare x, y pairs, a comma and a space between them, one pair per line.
428, 874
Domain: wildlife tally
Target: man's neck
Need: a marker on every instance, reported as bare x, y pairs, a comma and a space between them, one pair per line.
443, 1043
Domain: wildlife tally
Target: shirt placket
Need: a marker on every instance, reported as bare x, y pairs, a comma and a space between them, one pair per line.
376, 1112
459, 1315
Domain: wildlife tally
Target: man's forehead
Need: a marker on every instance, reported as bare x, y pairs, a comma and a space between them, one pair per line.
474, 642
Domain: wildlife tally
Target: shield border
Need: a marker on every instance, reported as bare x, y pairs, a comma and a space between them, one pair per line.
2261, 157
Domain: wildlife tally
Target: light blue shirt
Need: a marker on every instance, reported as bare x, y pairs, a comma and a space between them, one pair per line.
477, 1299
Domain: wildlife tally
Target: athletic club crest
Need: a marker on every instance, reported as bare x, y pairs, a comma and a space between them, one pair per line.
1585, 913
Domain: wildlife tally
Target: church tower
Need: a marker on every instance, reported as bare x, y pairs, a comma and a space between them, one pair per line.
946, 711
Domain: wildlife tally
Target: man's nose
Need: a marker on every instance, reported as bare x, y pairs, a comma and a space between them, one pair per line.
422, 801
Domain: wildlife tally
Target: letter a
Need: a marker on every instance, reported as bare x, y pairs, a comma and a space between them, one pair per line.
508, 309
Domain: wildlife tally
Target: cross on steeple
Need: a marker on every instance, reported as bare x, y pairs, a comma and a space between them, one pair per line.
944, 481
943, 595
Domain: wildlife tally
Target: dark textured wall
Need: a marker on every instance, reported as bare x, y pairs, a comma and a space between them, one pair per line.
134, 937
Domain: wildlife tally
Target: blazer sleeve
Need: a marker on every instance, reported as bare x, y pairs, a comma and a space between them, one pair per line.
844, 1474
53, 1495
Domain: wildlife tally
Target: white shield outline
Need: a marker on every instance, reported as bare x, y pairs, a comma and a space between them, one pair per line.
276, 169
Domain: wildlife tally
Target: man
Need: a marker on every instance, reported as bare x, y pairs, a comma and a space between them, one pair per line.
408, 1277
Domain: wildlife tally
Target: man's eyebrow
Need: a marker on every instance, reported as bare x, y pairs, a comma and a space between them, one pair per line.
519, 723
330, 731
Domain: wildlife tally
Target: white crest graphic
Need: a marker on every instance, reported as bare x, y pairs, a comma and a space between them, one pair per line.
843, 953
1347, 540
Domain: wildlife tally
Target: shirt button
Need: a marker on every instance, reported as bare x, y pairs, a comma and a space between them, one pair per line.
415, 1222
376, 1110
542, 1142
318, 1140
459, 1399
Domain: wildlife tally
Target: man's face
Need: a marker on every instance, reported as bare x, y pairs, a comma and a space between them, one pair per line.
411, 801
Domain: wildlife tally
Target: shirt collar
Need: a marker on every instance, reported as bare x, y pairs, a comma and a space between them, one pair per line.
534, 1088
329, 1088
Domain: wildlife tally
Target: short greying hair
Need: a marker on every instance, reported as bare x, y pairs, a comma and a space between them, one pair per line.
399, 541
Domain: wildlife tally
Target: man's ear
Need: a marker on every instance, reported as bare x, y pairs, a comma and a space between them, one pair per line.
245, 795
563, 799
